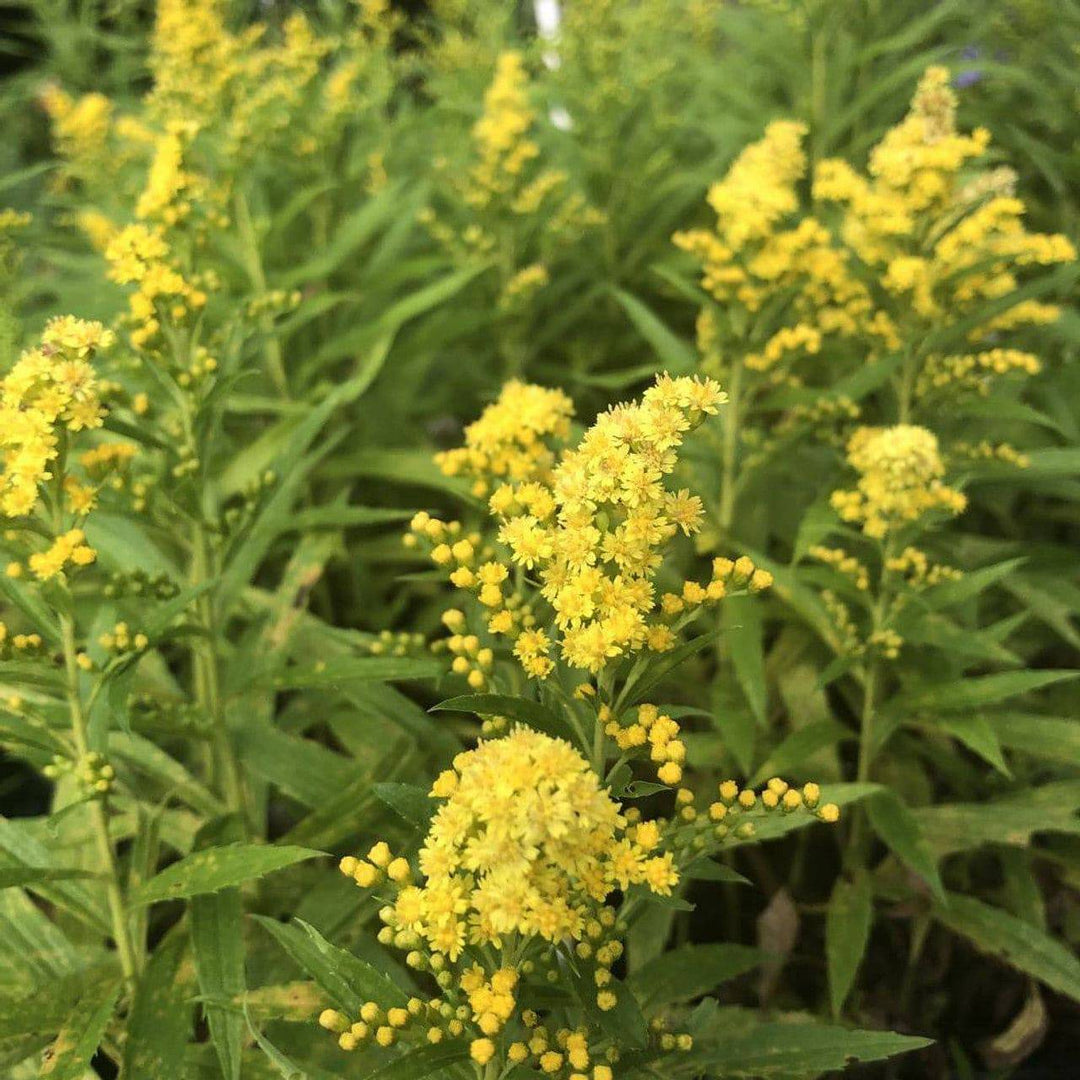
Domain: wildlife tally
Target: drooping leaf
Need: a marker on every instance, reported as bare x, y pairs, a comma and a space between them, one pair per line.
899, 828
528, 712
743, 640
217, 941
410, 801
1018, 943
346, 978
690, 971
847, 930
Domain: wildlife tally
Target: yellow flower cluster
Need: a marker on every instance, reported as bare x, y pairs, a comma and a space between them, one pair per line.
841, 561
973, 371
757, 252
938, 241
659, 732
918, 571
512, 439
526, 842
17, 645
50, 389
589, 524
71, 547
501, 135
244, 85
900, 479
140, 255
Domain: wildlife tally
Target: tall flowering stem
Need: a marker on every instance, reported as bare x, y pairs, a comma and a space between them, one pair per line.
49, 396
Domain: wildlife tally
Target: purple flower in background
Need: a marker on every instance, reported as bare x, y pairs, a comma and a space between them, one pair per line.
968, 78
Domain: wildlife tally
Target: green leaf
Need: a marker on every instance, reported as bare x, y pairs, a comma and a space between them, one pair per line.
335, 673
638, 689
970, 584
421, 1062
678, 357
216, 868
973, 730
12, 877
1011, 821
690, 971
217, 941
78, 1040
707, 870
772, 1051
346, 978
528, 712
1018, 943
410, 801
899, 829
974, 692
159, 1026
1048, 737
801, 745
847, 930
743, 637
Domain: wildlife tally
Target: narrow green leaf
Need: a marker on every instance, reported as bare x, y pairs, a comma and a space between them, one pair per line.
801, 745
974, 692
899, 829
976, 734
216, 868
346, 978
159, 1026
1051, 738
847, 930
410, 801
78, 1040
12, 877
678, 357
690, 971
423, 1061
743, 636
335, 673
796, 1050
1018, 943
217, 941
528, 712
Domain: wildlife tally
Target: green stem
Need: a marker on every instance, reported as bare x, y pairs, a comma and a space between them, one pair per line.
275, 363
207, 680
730, 452
99, 815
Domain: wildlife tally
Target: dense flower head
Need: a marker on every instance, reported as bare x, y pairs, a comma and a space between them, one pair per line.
528, 842
586, 528
50, 389
512, 438
900, 479
939, 238
761, 250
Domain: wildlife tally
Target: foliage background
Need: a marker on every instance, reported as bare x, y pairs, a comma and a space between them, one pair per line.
659, 113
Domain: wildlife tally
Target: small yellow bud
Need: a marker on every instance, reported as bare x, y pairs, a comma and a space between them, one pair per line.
481, 1051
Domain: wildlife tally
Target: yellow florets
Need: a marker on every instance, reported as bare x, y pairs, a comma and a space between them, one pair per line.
526, 841
900, 479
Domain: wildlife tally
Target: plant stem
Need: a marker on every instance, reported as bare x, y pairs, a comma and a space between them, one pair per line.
207, 681
730, 475
271, 346
99, 815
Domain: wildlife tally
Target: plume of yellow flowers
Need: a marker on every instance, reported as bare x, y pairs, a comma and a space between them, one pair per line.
589, 524
526, 877
50, 390
942, 241
761, 251
900, 479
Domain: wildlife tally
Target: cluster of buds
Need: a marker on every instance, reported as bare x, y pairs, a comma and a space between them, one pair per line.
380, 865
843, 563
274, 303
391, 644
728, 575
918, 571
121, 640
248, 501
138, 583
92, 771
471, 659
18, 645
988, 451
648, 729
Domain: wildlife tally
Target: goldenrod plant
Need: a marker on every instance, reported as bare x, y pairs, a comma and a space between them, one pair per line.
538, 540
